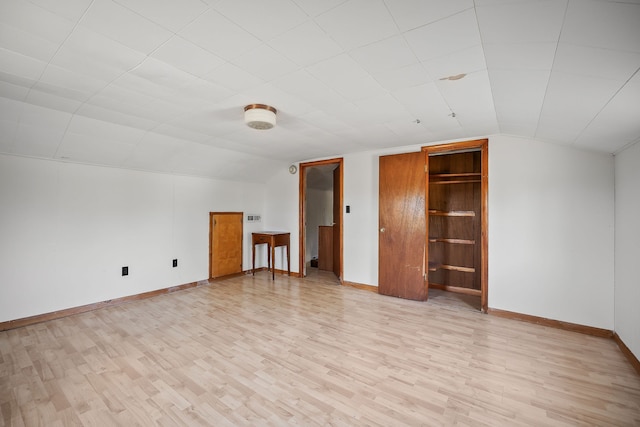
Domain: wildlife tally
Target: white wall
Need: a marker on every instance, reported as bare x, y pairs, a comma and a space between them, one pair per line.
551, 225
281, 214
551, 217
319, 211
627, 236
67, 229
360, 231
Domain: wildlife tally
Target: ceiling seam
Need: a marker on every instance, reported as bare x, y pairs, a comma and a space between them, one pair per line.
55, 153
402, 34
486, 64
555, 53
605, 106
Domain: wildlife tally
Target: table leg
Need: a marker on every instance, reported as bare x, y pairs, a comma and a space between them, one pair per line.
268, 257
253, 259
288, 263
273, 259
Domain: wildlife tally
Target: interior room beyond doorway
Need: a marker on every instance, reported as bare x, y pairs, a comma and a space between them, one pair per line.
321, 216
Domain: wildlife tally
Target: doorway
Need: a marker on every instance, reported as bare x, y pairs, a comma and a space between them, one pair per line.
320, 221
457, 229
433, 224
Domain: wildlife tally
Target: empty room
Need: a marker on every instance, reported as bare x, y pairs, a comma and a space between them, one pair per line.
295, 212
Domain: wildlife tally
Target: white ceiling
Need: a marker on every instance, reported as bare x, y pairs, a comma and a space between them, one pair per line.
161, 85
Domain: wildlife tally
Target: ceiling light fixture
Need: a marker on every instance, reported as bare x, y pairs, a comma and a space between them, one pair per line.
260, 116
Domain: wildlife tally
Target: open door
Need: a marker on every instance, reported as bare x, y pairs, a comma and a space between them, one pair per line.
402, 249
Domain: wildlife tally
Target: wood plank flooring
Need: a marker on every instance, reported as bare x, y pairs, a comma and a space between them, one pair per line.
252, 351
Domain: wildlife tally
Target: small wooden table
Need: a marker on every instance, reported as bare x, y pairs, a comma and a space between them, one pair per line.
272, 239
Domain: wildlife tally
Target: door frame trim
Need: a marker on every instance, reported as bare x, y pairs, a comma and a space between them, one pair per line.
483, 146
302, 195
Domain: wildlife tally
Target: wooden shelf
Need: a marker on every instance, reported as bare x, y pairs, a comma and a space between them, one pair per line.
455, 241
456, 289
458, 268
453, 175
451, 213
433, 266
463, 181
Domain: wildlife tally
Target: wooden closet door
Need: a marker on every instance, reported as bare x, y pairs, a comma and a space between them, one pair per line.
402, 226
225, 243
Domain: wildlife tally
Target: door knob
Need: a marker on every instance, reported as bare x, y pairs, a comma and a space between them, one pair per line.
382, 230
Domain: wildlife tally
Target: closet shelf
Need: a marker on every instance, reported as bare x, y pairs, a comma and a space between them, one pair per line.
436, 212
456, 289
433, 266
453, 175
455, 241
458, 268
463, 181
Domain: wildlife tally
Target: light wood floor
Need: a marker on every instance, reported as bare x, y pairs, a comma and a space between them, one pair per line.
250, 351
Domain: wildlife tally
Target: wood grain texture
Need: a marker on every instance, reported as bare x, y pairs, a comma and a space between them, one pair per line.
249, 351
225, 245
482, 252
568, 326
325, 247
361, 286
447, 231
467, 291
629, 355
39, 318
402, 226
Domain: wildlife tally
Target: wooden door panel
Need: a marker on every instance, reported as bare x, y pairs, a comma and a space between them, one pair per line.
337, 221
226, 244
325, 247
402, 226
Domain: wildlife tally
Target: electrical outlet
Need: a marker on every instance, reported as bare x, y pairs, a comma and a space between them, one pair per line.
125, 271
175, 262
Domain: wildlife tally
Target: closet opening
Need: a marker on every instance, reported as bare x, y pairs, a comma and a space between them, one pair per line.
456, 197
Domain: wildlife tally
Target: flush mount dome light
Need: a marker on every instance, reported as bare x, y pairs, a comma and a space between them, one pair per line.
260, 116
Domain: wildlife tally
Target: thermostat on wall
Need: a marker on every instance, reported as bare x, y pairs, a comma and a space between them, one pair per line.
253, 218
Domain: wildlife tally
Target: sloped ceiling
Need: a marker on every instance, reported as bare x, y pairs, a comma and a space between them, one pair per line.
161, 85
